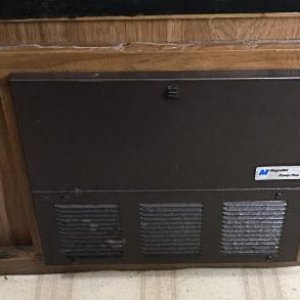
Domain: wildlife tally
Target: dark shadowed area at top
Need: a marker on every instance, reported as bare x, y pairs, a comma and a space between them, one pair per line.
75, 8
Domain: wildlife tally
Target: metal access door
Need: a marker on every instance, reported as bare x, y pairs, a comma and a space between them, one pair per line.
156, 131
89, 134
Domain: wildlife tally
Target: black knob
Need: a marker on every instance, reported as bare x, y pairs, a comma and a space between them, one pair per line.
172, 91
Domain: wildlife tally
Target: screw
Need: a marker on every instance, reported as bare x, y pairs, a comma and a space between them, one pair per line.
65, 198
269, 258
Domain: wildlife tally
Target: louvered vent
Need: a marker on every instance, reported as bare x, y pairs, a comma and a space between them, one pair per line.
173, 228
89, 230
252, 227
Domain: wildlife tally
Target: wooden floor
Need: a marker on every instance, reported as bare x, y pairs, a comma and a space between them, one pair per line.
200, 284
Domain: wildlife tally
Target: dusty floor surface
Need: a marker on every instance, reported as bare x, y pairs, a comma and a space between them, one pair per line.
202, 284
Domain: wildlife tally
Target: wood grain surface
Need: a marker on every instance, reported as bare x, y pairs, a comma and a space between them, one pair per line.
19, 211
153, 29
147, 58
13, 221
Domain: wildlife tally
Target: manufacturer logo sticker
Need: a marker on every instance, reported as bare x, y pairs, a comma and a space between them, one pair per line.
277, 173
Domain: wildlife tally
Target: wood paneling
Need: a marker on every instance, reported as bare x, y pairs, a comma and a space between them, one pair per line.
147, 59
152, 29
17, 222
13, 224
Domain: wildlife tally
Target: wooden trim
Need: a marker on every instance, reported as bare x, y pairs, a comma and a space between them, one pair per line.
6, 235
147, 58
17, 206
13, 223
97, 31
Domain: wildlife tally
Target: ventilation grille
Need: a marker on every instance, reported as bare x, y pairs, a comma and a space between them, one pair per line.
89, 230
171, 228
252, 227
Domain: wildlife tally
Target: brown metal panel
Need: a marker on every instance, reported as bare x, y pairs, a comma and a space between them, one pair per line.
139, 137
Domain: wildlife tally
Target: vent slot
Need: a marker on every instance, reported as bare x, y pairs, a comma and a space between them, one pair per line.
171, 229
252, 227
89, 230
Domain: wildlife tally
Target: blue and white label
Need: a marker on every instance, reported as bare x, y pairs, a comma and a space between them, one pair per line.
278, 173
